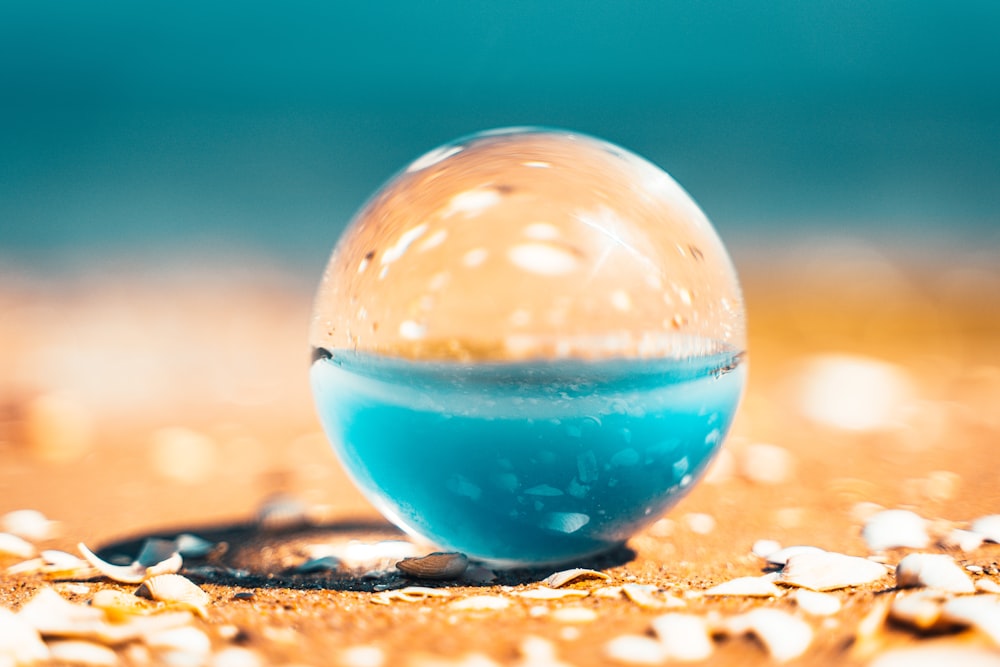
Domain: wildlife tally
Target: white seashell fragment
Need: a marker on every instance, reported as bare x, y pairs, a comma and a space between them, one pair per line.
684, 637
700, 523
18, 547
410, 594
52, 614
987, 526
635, 650
560, 579
939, 571
648, 596
815, 603
30, 525
138, 570
480, 603
764, 463
80, 652
189, 640
118, 605
785, 636
963, 540
764, 548
361, 656
935, 656
574, 615
758, 587
781, 556
175, 590
564, 522
893, 529
987, 586
192, 546
920, 609
545, 593
828, 570
20, 643
438, 565
236, 656
54, 563
981, 612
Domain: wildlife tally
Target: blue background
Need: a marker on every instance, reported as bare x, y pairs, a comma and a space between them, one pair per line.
162, 128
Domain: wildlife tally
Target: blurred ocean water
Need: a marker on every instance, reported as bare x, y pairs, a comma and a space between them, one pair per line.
215, 128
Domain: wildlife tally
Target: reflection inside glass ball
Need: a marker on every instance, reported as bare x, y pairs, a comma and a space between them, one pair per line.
527, 346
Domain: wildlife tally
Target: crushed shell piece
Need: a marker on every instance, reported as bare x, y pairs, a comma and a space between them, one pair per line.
939, 571
323, 564
635, 650
188, 640
54, 563
785, 636
826, 570
545, 593
192, 546
780, 557
480, 603
987, 526
893, 529
282, 512
30, 525
574, 615
177, 591
987, 586
648, 596
438, 565
764, 463
607, 592
410, 594
981, 612
361, 656
20, 643
764, 548
80, 652
560, 579
53, 616
142, 568
118, 605
684, 637
920, 609
759, 587
815, 603
935, 656
18, 547
963, 540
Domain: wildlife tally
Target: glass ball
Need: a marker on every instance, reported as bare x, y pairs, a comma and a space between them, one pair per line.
527, 346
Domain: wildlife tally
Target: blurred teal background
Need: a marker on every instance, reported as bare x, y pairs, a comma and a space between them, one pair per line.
152, 129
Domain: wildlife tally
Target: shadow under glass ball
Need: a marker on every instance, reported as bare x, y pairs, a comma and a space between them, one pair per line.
527, 346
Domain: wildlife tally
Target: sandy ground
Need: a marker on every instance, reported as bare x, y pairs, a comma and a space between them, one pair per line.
177, 402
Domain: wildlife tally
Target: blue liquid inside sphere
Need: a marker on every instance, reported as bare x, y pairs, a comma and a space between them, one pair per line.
528, 462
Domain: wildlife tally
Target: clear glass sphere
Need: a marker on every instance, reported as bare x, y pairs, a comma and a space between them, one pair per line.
528, 345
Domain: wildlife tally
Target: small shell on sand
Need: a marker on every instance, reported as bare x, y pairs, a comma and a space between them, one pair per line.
648, 596
480, 603
118, 605
12, 545
635, 650
30, 525
438, 565
177, 591
563, 577
785, 636
981, 612
759, 587
780, 557
20, 642
892, 529
138, 570
815, 603
919, 609
825, 571
80, 652
963, 540
546, 593
684, 637
939, 571
987, 526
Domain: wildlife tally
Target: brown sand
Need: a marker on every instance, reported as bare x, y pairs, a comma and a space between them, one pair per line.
97, 371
